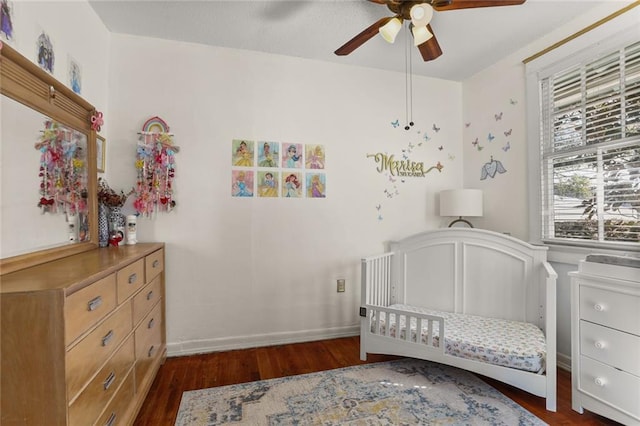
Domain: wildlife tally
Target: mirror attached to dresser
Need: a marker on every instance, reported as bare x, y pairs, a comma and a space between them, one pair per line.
48, 198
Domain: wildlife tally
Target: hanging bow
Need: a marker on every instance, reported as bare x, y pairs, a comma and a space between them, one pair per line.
97, 121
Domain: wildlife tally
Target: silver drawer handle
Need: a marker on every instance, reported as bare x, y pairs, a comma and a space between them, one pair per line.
599, 345
150, 353
598, 307
150, 295
107, 338
110, 379
152, 321
600, 381
112, 420
155, 263
132, 278
94, 303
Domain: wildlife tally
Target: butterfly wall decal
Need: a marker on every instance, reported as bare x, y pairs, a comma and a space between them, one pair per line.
508, 132
490, 137
498, 116
435, 128
507, 147
395, 123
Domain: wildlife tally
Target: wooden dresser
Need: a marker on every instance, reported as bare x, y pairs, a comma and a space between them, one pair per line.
605, 338
82, 337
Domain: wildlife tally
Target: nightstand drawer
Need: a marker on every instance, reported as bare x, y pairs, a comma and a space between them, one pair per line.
93, 399
88, 355
148, 341
618, 349
83, 309
154, 264
130, 279
144, 301
610, 386
610, 308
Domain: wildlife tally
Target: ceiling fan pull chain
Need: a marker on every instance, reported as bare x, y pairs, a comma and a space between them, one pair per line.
410, 82
406, 81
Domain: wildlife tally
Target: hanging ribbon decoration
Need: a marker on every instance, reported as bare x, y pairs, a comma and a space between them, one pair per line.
155, 167
63, 186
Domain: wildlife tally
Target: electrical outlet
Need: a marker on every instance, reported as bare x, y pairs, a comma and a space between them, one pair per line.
341, 285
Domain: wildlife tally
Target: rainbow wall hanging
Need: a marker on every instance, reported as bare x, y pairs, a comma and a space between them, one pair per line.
155, 167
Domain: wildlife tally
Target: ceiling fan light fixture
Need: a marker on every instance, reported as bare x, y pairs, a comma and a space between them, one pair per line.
390, 30
420, 35
421, 14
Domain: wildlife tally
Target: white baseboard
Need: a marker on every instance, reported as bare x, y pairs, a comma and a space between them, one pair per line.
563, 361
193, 347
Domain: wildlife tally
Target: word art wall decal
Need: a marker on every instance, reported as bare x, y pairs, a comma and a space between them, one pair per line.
405, 168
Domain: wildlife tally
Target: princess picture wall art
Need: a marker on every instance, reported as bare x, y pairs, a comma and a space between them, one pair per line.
292, 155
242, 153
268, 154
292, 185
314, 156
242, 183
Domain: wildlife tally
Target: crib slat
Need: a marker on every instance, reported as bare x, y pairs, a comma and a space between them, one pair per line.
429, 332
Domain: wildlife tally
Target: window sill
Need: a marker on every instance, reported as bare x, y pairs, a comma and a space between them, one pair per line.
568, 254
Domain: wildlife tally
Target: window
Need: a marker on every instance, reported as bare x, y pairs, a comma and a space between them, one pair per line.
590, 150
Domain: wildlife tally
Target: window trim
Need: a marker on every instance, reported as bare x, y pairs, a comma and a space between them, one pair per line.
600, 42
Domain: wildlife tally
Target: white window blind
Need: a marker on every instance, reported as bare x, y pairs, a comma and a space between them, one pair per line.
590, 127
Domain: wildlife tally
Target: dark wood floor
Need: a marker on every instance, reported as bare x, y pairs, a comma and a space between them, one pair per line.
181, 374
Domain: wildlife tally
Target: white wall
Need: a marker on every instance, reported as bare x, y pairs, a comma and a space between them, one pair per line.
244, 272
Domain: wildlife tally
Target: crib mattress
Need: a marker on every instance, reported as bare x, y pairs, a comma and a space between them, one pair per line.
506, 343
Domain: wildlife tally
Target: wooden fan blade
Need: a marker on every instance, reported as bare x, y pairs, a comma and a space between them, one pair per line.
430, 49
470, 4
378, 1
361, 38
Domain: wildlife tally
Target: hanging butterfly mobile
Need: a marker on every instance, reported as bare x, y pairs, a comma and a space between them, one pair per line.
156, 168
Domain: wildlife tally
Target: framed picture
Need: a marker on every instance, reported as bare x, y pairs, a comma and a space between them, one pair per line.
101, 153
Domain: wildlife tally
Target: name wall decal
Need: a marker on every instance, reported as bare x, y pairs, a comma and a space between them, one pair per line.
404, 168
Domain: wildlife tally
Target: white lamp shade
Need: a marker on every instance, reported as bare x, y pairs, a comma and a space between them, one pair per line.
421, 14
461, 202
420, 35
390, 30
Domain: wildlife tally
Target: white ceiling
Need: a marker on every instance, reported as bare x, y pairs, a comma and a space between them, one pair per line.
471, 39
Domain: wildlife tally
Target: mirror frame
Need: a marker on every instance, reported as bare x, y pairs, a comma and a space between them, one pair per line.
28, 84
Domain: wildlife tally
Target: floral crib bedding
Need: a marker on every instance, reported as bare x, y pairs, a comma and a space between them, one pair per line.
496, 341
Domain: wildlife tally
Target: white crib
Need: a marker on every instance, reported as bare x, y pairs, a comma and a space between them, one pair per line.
452, 285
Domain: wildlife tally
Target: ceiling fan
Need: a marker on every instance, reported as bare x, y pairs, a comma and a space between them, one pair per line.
419, 14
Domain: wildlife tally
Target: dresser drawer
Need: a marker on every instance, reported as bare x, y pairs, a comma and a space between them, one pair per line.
117, 412
618, 349
154, 264
130, 279
610, 308
83, 309
610, 386
148, 341
144, 301
84, 359
93, 399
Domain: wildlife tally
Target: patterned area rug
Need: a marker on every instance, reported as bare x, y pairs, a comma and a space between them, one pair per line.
404, 392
